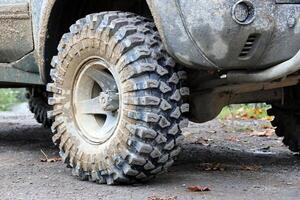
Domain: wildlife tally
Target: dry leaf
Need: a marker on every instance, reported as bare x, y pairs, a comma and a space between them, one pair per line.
268, 118
267, 126
250, 167
245, 116
49, 160
265, 133
257, 111
211, 131
154, 197
233, 139
196, 188
202, 141
212, 167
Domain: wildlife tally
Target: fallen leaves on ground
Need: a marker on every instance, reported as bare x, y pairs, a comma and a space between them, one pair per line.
268, 126
49, 160
202, 141
264, 133
251, 167
212, 167
268, 118
246, 112
155, 197
245, 116
232, 139
197, 188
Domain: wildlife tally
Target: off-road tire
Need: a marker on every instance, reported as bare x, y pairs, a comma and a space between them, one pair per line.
38, 105
287, 118
148, 135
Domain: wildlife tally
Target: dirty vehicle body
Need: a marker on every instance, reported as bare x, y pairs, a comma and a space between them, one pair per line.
122, 76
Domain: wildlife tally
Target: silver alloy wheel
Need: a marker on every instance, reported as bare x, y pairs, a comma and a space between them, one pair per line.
96, 101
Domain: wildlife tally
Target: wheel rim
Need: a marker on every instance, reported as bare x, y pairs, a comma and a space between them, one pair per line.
96, 101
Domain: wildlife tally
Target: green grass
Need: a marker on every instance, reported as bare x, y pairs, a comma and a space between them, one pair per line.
11, 97
245, 111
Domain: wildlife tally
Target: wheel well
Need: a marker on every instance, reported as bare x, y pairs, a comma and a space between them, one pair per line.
65, 13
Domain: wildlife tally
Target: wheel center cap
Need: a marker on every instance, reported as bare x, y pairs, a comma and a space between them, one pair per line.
96, 101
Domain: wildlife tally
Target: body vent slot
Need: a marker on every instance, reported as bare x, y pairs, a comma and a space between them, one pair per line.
248, 45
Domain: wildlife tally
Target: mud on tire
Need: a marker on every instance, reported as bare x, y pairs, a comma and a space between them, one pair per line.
148, 134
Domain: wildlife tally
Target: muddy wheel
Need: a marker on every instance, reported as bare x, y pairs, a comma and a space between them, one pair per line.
287, 118
118, 99
38, 105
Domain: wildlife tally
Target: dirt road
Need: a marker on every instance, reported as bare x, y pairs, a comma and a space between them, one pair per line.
238, 165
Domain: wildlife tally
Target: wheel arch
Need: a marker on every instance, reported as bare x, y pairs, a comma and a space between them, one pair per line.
50, 22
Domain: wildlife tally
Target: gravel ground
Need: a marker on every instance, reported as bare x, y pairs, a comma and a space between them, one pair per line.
221, 155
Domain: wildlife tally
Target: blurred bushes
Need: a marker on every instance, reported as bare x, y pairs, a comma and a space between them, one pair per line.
246, 111
11, 97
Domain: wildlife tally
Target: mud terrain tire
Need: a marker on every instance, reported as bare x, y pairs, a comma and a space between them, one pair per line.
287, 118
147, 135
38, 105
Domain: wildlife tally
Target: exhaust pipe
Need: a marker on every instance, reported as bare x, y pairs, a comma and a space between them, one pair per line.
277, 72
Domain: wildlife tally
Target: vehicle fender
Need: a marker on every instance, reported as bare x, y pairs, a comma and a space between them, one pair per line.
41, 11
176, 38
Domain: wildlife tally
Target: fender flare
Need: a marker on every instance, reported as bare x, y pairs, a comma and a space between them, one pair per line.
41, 11
41, 16
175, 35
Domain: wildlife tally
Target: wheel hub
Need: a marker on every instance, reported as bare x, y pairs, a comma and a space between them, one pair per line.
109, 101
96, 101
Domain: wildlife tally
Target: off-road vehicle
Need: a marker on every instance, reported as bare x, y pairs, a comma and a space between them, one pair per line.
118, 80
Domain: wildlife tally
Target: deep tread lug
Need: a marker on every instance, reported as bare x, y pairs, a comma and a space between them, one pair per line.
157, 170
149, 166
174, 79
173, 130
134, 159
141, 147
163, 158
165, 105
176, 113
164, 88
146, 117
155, 153
129, 171
185, 91
142, 132
185, 108
170, 145
176, 96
